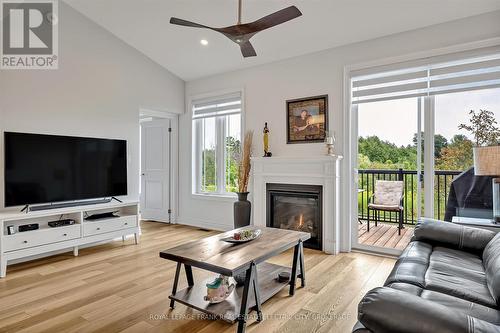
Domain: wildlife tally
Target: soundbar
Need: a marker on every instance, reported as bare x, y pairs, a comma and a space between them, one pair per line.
29, 208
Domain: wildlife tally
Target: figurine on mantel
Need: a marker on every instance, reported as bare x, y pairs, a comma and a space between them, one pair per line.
330, 143
267, 153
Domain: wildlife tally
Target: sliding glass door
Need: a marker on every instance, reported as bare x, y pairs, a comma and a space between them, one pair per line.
414, 127
390, 137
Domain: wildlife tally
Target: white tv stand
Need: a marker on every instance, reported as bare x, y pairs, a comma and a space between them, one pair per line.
83, 232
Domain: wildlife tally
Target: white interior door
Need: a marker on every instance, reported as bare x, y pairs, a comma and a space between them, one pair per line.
155, 162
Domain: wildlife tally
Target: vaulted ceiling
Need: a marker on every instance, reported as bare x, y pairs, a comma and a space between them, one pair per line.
325, 24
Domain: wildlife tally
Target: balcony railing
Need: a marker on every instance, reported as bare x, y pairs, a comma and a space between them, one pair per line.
442, 182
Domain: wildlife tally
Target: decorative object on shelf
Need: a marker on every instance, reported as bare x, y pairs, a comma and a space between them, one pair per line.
307, 119
283, 276
11, 230
242, 208
267, 153
483, 126
243, 236
218, 290
330, 144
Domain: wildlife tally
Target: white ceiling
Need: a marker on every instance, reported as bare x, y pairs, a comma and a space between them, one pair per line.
325, 24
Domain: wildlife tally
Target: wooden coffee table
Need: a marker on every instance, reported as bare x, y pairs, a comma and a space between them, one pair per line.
217, 256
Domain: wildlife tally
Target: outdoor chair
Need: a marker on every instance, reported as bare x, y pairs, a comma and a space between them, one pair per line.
388, 197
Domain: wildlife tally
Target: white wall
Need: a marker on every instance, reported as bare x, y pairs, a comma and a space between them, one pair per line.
267, 88
97, 91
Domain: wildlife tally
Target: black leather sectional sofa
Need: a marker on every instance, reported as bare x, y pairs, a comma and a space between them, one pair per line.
447, 280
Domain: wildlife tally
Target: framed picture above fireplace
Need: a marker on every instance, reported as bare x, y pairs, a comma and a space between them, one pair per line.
307, 119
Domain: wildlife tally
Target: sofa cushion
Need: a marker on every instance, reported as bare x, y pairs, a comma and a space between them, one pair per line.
453, 257
459, 282
446, 270
457, 304
491, 262
412, 264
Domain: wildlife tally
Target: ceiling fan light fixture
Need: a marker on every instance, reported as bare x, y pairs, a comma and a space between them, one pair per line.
241, 33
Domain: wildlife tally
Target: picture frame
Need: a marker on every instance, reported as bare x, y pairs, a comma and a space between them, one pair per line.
307, 119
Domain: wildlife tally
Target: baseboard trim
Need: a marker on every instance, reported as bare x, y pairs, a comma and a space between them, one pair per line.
204, 224
375, 253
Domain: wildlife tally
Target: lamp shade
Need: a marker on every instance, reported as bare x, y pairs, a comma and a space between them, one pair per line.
487, 161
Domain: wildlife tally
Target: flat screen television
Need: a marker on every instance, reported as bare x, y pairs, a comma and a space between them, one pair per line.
43, 168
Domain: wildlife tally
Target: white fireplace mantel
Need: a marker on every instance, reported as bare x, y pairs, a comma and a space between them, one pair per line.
305, 170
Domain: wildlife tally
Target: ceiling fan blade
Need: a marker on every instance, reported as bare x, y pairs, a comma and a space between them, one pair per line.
247, 50
178, 21
275, 19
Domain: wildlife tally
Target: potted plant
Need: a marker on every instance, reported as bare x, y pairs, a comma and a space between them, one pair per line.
243, 207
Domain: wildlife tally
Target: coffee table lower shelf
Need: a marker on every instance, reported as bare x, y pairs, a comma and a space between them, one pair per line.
229, 309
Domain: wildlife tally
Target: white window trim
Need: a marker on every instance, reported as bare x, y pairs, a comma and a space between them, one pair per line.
195, 166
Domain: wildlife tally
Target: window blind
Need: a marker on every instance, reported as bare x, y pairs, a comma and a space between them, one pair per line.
219, 106
432, 78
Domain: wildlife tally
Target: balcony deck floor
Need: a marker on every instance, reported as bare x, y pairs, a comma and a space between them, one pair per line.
384, 235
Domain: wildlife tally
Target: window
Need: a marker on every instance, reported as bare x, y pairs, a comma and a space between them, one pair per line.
216, 144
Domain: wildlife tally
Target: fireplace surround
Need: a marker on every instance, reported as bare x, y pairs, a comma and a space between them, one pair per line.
300, 170
296, 207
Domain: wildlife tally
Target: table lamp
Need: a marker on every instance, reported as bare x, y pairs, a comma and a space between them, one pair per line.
487, 163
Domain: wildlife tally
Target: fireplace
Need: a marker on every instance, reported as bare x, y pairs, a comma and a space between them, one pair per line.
296, 207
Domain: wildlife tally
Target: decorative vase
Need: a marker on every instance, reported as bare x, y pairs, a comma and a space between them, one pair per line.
242, 210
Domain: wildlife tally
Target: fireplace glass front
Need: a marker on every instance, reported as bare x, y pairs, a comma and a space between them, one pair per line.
296, 207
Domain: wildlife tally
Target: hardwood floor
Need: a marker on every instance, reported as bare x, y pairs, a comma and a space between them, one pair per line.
121, 287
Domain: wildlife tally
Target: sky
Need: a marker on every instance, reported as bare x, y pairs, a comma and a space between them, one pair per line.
233, 129
396, 121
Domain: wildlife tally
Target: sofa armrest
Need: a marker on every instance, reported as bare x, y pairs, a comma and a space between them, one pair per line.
387, 310
453, 235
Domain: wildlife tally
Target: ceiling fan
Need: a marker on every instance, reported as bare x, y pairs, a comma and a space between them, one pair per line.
241, 33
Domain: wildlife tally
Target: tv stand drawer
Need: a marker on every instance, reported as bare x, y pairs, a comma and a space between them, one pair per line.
24, 240
108, 225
